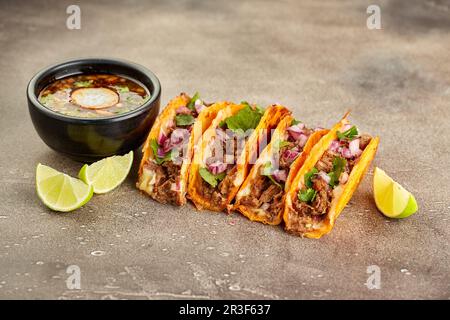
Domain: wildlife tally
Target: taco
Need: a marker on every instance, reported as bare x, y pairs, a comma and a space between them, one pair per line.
326, 181
227, 150
261, 196
164, 169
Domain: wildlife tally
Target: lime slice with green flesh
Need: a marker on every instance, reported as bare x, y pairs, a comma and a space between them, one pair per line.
60, 192
391, 198
108, 173
410, 209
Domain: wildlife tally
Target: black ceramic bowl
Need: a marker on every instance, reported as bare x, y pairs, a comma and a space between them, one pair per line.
87, 139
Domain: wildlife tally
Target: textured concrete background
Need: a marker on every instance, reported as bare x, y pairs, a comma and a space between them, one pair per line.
319, 59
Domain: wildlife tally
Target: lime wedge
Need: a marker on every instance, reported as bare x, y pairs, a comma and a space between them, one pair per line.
391, 198
60, 192
410, 209
108, 173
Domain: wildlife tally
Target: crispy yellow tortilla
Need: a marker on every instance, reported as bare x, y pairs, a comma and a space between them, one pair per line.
269, 120
260, 215
202, 122
341, 194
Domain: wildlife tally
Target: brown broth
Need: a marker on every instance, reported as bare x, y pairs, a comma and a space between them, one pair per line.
93, 95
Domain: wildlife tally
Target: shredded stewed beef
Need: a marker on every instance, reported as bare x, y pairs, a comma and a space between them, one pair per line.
316, 211
265, 195
324, 192
217, 196
269, 193
227, 183
167, 180
323, 196
257, 187
210, 193
326, 162
364, 141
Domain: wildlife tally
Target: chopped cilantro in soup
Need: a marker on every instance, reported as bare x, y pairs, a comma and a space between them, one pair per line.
94, 95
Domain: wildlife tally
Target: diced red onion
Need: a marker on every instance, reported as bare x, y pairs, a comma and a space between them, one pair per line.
334, 146
176, 139
343, 178
166, 147
162, 138
302, 140
290, 155
324, 176
217, 167
346, 153
280, 175
265, 206
183, 110
295, 131
161, 152
199, 106
354, 146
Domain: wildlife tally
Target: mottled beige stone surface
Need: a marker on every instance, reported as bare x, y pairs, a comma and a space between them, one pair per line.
316, 57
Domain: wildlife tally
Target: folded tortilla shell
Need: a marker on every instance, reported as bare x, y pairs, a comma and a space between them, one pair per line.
258, 214
163, 121
341, 196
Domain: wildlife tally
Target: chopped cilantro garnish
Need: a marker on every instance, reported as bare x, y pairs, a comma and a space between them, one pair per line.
295, 122
348, 134
154, 145
245, 119
191, 104
168, 157
46, 99
184, 119
282, 144
212, 179
122, 89
308, 177
307, 195
338, 167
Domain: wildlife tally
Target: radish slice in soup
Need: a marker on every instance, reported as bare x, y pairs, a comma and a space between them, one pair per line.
95, 98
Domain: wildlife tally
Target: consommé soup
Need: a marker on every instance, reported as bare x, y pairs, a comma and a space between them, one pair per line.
93, 95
